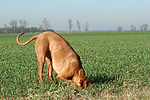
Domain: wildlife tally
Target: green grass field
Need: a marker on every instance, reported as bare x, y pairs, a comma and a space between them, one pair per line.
118, 64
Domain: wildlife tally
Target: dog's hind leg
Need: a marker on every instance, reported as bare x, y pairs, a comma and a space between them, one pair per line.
41, 54
41, 61
50, 69
49, 65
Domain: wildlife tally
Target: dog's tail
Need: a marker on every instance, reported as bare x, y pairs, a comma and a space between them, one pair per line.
24, 43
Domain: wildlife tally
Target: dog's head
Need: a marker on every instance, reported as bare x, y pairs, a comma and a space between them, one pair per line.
81, 80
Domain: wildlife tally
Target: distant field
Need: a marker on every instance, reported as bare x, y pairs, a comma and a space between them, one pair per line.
118, 64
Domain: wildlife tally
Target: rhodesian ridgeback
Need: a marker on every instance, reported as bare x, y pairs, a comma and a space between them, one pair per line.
60, 57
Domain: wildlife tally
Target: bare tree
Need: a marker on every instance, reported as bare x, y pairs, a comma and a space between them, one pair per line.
86, 27
141, 27
13, 23
132, 27
23, 24
119, 28
70, 24
45, 24
6, 29
78, 24
145, 26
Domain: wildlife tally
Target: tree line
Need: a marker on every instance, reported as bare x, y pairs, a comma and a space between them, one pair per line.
21, 26
142, 27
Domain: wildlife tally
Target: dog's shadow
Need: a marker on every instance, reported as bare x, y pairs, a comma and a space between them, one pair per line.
101, 78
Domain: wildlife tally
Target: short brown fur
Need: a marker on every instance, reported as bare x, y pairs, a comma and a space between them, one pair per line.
60, 57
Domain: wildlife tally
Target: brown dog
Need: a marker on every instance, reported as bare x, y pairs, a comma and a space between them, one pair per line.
59, 56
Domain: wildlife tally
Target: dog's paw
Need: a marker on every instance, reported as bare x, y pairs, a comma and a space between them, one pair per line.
40, 79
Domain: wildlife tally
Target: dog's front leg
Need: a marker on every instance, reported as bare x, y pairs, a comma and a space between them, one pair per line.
67, 81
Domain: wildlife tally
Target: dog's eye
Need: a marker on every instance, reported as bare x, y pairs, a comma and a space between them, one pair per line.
81, 83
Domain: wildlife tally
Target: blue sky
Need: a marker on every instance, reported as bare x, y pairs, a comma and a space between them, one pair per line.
100, 14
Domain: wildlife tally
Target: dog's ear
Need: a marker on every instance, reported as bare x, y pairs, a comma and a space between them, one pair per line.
81, 73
